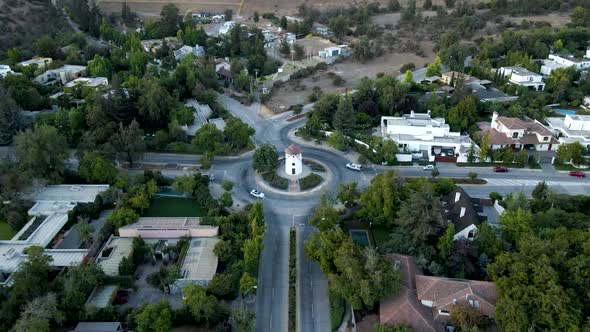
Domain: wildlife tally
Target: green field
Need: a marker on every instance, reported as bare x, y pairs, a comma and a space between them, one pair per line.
6, 232
166, 206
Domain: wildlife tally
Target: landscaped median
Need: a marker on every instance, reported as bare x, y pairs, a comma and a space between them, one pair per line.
292, 280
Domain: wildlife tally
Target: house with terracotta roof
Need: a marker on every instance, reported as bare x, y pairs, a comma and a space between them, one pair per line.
424, 302
440, 294
518, 134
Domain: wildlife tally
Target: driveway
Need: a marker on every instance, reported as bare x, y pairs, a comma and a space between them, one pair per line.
147, 293
72, 241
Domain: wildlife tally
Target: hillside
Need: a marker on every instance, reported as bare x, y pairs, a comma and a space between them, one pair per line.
23, 21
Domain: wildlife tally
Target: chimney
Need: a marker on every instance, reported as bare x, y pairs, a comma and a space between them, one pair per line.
457, 196
494, 117
428, 113
411, 114
462, 212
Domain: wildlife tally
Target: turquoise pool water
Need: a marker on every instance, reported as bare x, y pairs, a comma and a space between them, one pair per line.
564, 112
360, 236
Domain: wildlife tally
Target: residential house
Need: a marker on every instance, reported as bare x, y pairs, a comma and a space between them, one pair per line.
424, 302
518, 134
61, 75
404, 308
227, 26
290, 37
185, 50
488, 93
334, 51
441, 294
450, 78
5, 70
39, 61
463, 212
572, 128
223, 70
98, 327
557, 61
427, 138
523, 77
90, 82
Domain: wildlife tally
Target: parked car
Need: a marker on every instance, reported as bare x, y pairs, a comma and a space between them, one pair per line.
578, 174
121, 297
354, 167
500, 169
429, 167
257, 194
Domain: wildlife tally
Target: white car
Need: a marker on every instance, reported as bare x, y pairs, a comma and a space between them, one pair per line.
354, 167
429, 167
257, 194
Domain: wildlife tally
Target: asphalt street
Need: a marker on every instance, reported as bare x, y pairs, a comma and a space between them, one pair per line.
283, 211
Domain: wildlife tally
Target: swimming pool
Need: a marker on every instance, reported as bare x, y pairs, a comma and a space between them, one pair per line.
564, 112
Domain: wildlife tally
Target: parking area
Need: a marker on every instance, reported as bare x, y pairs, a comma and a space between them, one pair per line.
144, 292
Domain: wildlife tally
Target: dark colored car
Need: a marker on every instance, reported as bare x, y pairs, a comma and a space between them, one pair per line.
578, 174
500, 169
121, 297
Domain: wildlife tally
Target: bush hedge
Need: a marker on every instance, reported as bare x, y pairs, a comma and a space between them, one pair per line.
292, 280
314, 166
310, 181
275, 181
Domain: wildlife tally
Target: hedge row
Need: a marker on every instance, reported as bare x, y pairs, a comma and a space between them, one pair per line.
292, 280
275, 181
314, 166
310, 181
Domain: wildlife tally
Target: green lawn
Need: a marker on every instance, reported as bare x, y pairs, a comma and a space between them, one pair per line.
166, 206
6, 232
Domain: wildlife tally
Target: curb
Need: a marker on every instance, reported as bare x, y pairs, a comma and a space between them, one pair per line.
267, 187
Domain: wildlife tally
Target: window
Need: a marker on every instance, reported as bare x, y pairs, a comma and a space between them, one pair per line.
293, 164
515, 135
471, 234
545, 139
474, 303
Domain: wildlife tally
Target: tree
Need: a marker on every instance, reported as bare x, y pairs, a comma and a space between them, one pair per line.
580, 17
128, 143
484, 147
299, 51
226, 199
420, 215
225, 285
284, 48
409, 13
434, 68
42, 152
382, 198
463, 115
169, 20
10, 117
339, 26
155, 318
324, 216
252, 249
154, 104
30, 280
391, 94
208, 138
266, 159
434, 173
571, 152
238, 133
38, 314
446, 242
247, 283
184, 116
256, 16
122, 217
344, 119
362, 51
84, 230
199, 304
515, 223
95, 168
465, 316
99, 66
408, 78
185, 184
472, 176
348, 194
228, 14
427, 4
242, 319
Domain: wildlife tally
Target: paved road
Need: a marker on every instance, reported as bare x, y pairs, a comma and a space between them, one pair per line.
283, 211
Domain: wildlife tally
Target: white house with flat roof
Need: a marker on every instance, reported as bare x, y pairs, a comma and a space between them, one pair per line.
5, 70
39, 61
431, 137
556, 61
523, 77
91, 82
49, 215
168, 228
572, 128
61, 75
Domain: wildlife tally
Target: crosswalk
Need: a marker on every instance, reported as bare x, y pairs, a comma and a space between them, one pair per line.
516, 182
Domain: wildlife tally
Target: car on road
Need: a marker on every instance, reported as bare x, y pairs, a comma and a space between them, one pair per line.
500, 169
578, 174
429, 167
121, 297
354, 167
257, 194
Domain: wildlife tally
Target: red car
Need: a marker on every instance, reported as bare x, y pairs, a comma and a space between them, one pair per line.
500, 169
578, 174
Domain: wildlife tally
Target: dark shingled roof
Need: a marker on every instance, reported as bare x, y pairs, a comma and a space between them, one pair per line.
471, 216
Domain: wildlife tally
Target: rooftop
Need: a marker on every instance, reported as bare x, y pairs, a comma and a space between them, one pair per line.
460, 139
88, 81
293, 150
168, 228
98, 327
68, 193
200, 262
558, 123
455, 202
521, 71
416, 120
121, 247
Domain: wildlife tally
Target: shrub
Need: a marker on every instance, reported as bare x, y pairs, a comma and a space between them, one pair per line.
406, 67
314, 166
495, 196
338, 80
310, 181
227, 185
275, 181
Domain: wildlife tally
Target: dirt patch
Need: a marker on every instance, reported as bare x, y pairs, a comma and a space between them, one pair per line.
298, 91
555, 19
